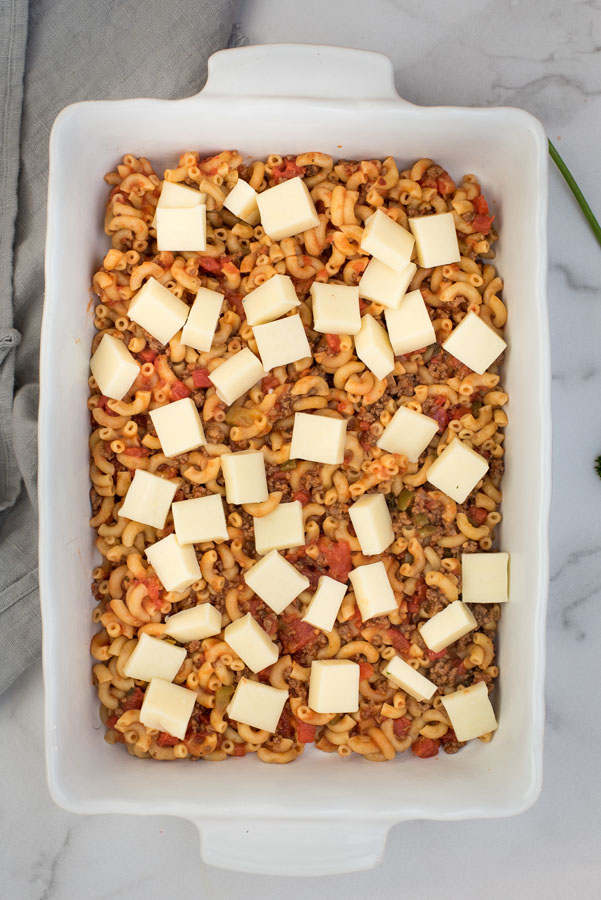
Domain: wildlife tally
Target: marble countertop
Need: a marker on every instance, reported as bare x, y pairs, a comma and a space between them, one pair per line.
545, 56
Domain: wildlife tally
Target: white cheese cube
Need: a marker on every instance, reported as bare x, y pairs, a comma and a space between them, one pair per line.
258, 705
179, 196
167, 707
178, 426
237, 375
400, 673
154, 658
408, 432
199, 330
447, 626
470, 711
194, 624
457, 470
410, 327
270, 300
242, 202
200, 519
474, 343
287, 209
373, 347
176, 566
281, 529
276, 581
281, 342
334, 686
318, 438
148, 499
251, 643
244, 476
335, 308
387, 241
181, 230
384, 285
436, 240
325, 603
372, 523
373, 591
484, 577
113, 367
158, 311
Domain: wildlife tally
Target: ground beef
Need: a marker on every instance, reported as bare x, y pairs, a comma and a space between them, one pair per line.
442, 366
484, 614
214, 433
284, 406
497, 467
443, 672
470, 547
435, 601
403, 385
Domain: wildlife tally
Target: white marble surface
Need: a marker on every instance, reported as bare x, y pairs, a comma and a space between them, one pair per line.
543, 55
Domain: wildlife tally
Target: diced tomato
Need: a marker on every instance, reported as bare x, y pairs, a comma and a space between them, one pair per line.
480, 205
448, 736
399, 641
302, 496
269, 383
305, 732
287, 170
234, 298
333, 342
213, 264
148, 355
201, 379
477, 514
425, 748
295, 634
441, 417
445, 184
179, 390
133, 700
167, 740
154, 591
137, 451
363, 304
433, 655
364, 426
356, 619
112, 721
417, 597
456, 412
303, 285
239, 750
338, 558
366, 670
482, 224
401, 726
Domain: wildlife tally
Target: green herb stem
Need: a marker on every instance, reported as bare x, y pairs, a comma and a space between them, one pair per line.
580, 198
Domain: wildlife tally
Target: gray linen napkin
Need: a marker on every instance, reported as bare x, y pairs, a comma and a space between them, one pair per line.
52, 53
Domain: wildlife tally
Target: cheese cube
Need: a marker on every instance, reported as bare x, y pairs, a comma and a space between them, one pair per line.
334, 686
373, 592
384, 285
408, 433
287, 209
244, 476
436, 240
176, 566
251, 643
372, 523
335, 308
194, 624
318, 438
387, 241
200, 519
158, 311
470, 711
280, 529
484, 577
281, 342
258, 705
154, 658
199, 330
325, 603
373, 347
167, 707
276, 581
270, 300
447, 626
237, 375
410, 327
457, 470
474, 343
178, 426
148, 499
179, 196
400, 673
113, 367
242, 202
181, 230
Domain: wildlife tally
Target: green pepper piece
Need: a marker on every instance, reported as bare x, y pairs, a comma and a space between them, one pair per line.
426, 531
476, 407
420, 519
289, 464
404, 500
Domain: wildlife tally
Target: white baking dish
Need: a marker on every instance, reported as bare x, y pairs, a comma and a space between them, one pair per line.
323, 814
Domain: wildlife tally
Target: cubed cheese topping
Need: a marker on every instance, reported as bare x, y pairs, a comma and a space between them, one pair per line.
281, 342
325, 603
237, 375
242, 202
402, 675
199, 330
276, 581
167, 707
158, 311
200, 519
470, 711
281, 529
272, 299
387, 241
318, 438
181, 230
154, 658
194, 624
257, 705
334, 686
408, 433
457, 470
251, 643
373, 592
484, 577
179, 196
287, 209
447, 626
372, 523
244, 476
410, 327
175, 564
384, 285
436, 240
335, 308
178, 426
474, 343
373, 347
148, 499
113, 367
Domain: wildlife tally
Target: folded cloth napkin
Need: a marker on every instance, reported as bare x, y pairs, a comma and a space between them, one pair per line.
52, 53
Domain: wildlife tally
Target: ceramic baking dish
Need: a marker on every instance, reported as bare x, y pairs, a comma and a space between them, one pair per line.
322, 814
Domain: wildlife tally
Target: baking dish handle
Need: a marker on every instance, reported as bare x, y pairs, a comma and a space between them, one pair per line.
292, 848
